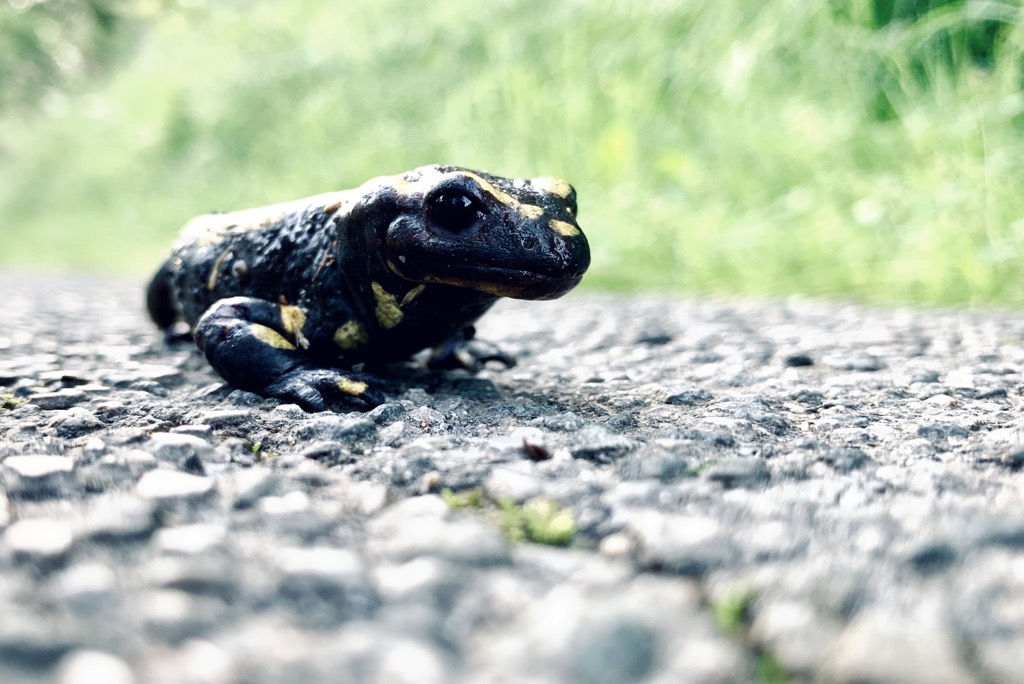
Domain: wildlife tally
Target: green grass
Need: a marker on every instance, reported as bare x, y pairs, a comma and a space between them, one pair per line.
539, 520
740, 146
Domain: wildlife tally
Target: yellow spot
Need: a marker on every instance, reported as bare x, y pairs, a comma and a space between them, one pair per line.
388, 312
352, 387
555, 186
530, 211
402, 186
563, 228
502, 197
269, 336
413, 294
331, 208
293, 319
350, 335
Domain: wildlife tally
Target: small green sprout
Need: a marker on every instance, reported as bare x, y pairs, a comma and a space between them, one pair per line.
539, 520
471, 498
9, 401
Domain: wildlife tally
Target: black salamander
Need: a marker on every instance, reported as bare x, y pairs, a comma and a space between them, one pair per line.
284, 300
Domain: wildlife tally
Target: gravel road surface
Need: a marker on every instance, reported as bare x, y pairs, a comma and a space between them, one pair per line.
661, 491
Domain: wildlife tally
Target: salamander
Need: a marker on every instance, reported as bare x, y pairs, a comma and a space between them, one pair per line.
295, 300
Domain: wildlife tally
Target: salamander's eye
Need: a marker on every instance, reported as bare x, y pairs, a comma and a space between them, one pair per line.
454, 210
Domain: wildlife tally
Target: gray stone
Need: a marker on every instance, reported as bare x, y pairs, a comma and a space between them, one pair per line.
387, 413
326, 585
738, 472
688, 396
845, 459
168, 485
225, 418
666, 465
189, 540
882, 645
428, 420
393, 435
328, 452
42, 541
88, 667
39, 476
206, 574
174, 616
137, 461
347, 429
120, 519
252, 484
75, 422
59, 400
197, 661
794, 633
93, 449
856, 361
166, 376
681, 544
87, 587
513, 485
200, 430
1001, 658
560, 422
932, 557
609, 651
178, 449
30, 641
598, 444
421, 527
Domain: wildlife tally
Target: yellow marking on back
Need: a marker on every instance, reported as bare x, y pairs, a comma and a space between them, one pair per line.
556, 186
350, 335
352, 387
270, 337
530, 211
563, 228
388, 312
293, 319
402, 186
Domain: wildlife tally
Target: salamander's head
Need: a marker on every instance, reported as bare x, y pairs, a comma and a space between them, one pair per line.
508, 237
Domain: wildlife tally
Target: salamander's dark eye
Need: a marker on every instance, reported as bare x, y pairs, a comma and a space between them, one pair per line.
454, 210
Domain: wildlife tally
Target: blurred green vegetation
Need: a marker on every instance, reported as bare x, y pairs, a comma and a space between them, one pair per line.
871, 148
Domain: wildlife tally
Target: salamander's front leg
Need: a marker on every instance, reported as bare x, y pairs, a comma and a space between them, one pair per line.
259, 346
461, 350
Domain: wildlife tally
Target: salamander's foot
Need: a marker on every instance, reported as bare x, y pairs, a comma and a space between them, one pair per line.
318, 389
463, 351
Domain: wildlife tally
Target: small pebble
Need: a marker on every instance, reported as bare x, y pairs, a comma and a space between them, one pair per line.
163, 485
93, 667
39, 539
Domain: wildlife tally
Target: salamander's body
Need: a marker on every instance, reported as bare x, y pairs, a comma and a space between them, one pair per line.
284, 299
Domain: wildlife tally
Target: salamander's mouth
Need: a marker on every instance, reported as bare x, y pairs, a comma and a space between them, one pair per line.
515, 283
504, 255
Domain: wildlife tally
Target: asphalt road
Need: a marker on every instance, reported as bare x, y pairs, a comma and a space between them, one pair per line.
660, 491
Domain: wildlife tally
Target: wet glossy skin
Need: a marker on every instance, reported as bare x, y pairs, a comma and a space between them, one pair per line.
283, 299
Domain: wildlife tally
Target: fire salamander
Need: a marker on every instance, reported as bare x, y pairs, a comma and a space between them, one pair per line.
284, 300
